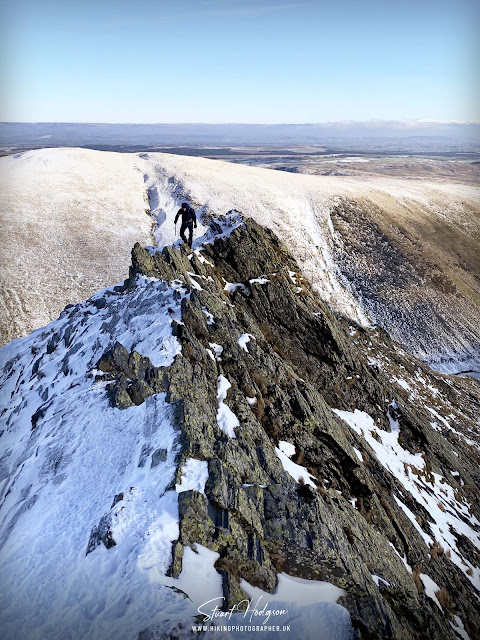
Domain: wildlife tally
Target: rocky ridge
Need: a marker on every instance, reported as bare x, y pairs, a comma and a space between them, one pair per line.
253, 320
213, 411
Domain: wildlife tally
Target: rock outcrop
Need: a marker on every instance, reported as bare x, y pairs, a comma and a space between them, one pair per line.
386, 504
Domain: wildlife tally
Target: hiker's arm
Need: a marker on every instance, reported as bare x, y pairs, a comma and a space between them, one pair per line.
177, 216
194, 218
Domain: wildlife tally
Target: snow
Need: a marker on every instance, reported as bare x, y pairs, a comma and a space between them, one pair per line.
231, 287
87, 208
459, 628
445, 422
402, 558
226, 419
305, 609
284, 451
199, 580
401, 463
378, 580
297, 590
202, 258
287, 448
217, 350
293, 277
86, 463
358, 454
260, 280
210, 319
411, 516
403, 383
70, 217
193, 282
244, 340
194, 476
225, 224
431, 588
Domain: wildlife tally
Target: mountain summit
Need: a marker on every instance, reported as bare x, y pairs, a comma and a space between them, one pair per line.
211, 433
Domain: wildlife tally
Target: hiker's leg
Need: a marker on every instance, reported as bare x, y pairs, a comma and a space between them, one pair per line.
182, 233
190, 234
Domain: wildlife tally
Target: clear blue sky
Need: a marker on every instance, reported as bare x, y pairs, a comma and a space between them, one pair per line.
267, 61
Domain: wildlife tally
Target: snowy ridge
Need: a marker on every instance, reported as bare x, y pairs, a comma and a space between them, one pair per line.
105, 492
299, 208
261, 194
72, 465
63, 445
70, 194
165, 197
90, 489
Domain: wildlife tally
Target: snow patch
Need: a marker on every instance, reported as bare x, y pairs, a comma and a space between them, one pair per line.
459, 628
378, 579
358, 454
231, 287
194, 476
199, 580
284, 451
244, 340
430, 490
226, 419
431, 588
260, 280
217, 350
210, 318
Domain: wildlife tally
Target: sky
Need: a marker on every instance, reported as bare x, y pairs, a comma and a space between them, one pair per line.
252, 61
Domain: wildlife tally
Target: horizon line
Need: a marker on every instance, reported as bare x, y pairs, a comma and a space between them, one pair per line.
373, 121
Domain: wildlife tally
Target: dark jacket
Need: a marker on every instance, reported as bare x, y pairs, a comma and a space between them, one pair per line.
189, 216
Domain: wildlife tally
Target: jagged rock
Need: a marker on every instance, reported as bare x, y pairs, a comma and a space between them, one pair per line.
300, 362
342, 515
101, 533
159, 455
135, 378
195, 524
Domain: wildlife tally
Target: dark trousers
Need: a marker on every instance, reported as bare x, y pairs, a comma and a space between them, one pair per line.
189, 226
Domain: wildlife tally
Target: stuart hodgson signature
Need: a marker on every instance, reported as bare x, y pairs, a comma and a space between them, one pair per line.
211, 612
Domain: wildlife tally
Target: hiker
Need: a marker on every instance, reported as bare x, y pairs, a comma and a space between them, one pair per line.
189, 220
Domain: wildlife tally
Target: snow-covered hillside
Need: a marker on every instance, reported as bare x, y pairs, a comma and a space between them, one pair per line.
69, 220
398, 253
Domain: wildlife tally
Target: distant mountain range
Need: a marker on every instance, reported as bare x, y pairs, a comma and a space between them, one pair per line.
98, 135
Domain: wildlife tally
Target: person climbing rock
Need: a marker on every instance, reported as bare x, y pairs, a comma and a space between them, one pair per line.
189, 220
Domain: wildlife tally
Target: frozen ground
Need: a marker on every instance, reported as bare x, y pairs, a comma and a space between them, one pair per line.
396, 252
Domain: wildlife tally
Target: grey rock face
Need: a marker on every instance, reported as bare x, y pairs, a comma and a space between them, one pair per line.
300, 361
134, 377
